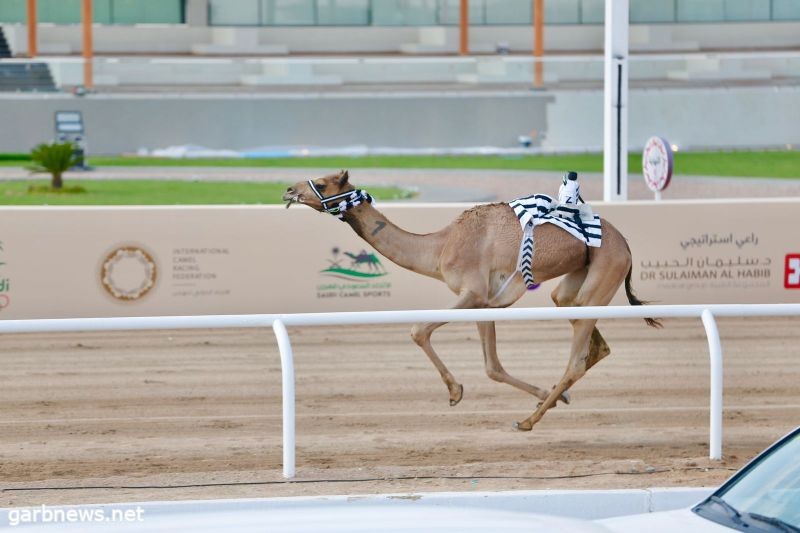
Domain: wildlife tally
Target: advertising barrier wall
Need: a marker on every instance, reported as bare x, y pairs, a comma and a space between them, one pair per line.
58, 262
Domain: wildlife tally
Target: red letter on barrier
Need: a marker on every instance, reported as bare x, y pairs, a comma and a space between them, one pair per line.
791, 279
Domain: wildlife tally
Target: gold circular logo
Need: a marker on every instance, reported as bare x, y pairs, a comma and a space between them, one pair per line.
128, 273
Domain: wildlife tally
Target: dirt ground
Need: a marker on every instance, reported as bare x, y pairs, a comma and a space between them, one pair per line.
99, 417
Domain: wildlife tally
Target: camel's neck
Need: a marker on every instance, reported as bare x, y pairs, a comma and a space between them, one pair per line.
418, 253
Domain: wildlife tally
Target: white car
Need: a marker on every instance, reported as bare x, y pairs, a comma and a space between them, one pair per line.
764, 496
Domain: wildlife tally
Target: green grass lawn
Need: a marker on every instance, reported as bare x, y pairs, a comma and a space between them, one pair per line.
155, 192
14, 159
768, 164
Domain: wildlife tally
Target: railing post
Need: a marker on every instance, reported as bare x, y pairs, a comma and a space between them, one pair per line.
287, 374
715, 359
463, 28
538, 43
33, 28
88, 44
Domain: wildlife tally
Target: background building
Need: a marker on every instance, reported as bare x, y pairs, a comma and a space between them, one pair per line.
265, 75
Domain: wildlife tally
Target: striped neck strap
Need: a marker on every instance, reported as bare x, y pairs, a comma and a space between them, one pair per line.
342, 201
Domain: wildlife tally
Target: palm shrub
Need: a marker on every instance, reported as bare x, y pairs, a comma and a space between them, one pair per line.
54, 158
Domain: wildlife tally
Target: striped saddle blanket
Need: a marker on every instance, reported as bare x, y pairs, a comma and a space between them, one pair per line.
576, 219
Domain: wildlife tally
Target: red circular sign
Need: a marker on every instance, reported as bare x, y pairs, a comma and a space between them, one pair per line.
657, 163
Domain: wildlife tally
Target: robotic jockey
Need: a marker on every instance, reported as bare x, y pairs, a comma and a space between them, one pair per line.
570, 203
570, 191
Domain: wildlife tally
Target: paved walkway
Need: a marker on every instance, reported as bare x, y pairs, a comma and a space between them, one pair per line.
455, 185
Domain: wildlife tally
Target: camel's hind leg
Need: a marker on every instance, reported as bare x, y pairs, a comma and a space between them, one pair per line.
588, 347
496, 371
564, 296
421, 333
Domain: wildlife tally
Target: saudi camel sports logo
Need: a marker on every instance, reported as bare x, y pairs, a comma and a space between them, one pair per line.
358, 266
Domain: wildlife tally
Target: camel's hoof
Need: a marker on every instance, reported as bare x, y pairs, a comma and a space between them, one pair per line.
453, 402
521, 426
565, 397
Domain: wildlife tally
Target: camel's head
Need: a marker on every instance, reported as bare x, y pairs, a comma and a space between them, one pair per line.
324, 190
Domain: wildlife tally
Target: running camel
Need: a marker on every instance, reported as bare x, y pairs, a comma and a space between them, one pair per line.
477, 257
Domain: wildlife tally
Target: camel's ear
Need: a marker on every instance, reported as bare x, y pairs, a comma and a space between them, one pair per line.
343, 177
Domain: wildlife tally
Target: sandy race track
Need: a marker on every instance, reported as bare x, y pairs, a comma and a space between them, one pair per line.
183, 415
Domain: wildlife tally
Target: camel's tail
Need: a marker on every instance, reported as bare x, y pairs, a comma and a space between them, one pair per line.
653, 322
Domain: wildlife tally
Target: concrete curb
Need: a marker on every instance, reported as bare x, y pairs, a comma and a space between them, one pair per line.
581, 504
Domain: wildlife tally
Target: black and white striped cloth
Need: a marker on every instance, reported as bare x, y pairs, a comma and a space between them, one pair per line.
576, 219
355, 198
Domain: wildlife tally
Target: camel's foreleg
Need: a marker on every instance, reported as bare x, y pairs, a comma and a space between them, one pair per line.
496, 371
421, 333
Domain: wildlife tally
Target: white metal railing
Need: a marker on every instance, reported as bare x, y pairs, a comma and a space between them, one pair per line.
279, 323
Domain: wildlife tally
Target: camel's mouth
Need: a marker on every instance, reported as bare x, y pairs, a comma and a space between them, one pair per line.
291, 199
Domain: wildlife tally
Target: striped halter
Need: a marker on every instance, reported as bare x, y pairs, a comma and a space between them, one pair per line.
342, 201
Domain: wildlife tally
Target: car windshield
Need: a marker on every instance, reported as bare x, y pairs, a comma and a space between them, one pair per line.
771, 489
